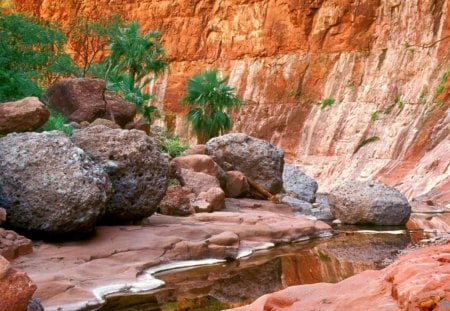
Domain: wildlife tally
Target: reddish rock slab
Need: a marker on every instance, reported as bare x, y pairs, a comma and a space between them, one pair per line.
13, 245
68, 273
23, 115
419, 280
428, 225
16, 288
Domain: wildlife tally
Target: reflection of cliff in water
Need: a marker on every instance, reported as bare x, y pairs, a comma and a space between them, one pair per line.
242, 281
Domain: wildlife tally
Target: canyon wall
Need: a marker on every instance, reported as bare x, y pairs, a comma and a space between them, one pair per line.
382, 63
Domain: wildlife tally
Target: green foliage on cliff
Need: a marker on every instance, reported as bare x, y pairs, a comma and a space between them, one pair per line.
207, 97
31, 55
327, 102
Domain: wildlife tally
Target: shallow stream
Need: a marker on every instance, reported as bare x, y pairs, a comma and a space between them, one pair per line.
228, 284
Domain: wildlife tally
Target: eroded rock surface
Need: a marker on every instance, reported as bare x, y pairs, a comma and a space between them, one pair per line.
137, 170
255, 158
400, 286
24, 115
369, 202
49, 185
86, 100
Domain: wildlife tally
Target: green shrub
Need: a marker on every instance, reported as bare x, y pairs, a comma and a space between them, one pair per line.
374, 116
56, 122
365, 142
326, 102
173, 146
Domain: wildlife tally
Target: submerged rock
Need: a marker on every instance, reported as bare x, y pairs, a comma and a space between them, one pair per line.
49, 185
24, 115
256, 158
298, 184
137, 170
368, 202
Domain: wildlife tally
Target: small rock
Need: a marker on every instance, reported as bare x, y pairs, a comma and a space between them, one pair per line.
199, 182
177, 202
105, 122
298, 184
35, 305
297, 205
337, 222
226, 238
24, 115
199, 163
236, 184
211, 200
13, 245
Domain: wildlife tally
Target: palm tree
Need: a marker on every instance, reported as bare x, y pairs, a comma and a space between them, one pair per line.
208, 96
132, 58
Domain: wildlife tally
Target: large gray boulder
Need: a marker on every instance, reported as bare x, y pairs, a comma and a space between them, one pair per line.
137, 170
298, 184
49, 185
368, 202
256, 158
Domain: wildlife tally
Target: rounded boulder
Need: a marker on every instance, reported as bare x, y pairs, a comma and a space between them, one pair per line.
368, 202
257, 159
49, 185
137, 170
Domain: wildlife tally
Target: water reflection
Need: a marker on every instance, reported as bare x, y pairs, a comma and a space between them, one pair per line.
239, 282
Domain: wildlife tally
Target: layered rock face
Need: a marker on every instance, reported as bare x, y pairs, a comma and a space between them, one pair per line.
383, 62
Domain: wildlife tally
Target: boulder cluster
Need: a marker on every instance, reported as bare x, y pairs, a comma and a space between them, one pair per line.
57, 185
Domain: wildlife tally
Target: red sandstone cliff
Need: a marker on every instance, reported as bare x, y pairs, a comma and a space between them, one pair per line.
284, 56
